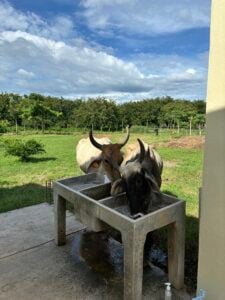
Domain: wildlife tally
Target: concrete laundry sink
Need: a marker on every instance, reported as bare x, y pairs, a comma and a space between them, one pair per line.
95, 208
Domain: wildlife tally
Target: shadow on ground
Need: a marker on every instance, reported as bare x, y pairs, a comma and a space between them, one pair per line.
103, 256
157, 243
39, 159
191, 251
191, 248
103, 252
23, 195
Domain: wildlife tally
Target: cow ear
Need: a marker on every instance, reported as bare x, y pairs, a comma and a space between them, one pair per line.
118, 187
154, 184
150, 156
147, 157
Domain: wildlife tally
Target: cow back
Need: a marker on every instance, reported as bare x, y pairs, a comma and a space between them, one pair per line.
87, 155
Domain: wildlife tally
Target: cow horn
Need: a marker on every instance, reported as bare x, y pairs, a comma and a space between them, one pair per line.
142, 151
126, 138
93, 141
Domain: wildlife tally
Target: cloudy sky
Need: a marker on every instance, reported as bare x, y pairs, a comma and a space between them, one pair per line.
121, 49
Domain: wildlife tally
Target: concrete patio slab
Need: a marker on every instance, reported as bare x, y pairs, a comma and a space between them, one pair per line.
28, 227
89, 266
47, 272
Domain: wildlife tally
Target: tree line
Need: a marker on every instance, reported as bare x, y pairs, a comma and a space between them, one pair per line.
35, 111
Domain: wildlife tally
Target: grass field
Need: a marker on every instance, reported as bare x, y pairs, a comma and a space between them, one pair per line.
23, 183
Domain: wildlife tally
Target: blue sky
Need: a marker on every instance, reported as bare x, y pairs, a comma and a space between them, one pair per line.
121, 49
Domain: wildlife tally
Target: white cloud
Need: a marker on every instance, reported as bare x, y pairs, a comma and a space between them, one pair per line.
80, 69
191, 71
25, 73
60, 27
65, 70
168, 65
146, 17
36, 56
12, 19
175, 75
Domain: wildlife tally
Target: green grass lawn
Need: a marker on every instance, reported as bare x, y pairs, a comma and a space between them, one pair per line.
23, 183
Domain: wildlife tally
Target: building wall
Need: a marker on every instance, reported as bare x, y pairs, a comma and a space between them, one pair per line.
211, 268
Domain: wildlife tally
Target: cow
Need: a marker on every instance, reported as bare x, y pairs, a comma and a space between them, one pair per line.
140, 178
100, 155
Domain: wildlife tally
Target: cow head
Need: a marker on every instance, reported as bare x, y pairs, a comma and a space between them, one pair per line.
111, 156
138, 181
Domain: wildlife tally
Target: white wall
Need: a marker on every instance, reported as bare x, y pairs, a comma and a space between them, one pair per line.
211, 269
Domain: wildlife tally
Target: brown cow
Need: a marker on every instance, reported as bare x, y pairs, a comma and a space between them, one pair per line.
100, 155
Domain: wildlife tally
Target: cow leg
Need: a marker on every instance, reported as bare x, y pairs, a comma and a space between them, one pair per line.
133, 265
60, 219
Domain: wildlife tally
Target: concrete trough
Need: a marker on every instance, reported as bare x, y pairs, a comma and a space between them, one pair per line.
95, 208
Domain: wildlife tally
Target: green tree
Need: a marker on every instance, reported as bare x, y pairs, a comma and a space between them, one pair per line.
4, 106
199, 121
43, 115
97, 113
25, 108
177, 113
14, 109
200, 106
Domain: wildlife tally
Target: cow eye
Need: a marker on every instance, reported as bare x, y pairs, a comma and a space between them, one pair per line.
106, 161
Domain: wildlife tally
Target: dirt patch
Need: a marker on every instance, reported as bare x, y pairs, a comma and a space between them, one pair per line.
189, 142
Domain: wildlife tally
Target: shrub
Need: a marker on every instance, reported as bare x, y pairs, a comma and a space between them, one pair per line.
4, 126
23, 149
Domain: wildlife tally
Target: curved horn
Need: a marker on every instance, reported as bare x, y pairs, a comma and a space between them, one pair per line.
126, 138
142, 151
93, 141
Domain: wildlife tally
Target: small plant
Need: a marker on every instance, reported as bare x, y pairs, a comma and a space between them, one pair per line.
4, 126
23, 149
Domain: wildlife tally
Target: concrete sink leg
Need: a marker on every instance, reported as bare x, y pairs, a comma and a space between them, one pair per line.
60, 219
176, 250
133, 244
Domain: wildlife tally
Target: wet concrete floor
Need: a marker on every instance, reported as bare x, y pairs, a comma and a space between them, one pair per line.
89, 266
103, 255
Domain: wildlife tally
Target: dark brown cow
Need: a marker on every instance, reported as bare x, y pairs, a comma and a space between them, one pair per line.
140, 179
